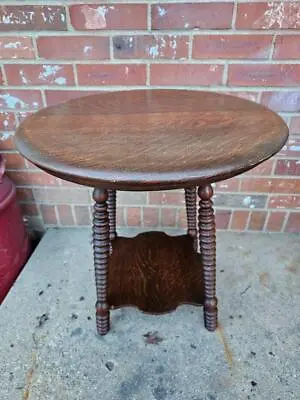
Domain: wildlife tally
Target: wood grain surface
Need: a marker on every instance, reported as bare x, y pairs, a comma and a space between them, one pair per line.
154, 272
151, 139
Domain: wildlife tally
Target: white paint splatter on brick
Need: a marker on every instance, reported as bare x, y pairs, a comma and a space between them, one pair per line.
126, 72
60, 81
48, 71
281, 14
5, 136
161, 11
153, 51
87, 49
213, 68
23, 77
295, 148
5, 123
247, 201
12, 101
95, 18
13, 45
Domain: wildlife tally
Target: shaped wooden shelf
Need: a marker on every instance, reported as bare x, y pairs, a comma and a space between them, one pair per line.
154, 272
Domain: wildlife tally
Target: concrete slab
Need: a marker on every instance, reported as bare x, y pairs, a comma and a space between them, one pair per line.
50, 349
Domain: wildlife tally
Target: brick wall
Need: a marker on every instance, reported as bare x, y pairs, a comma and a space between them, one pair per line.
58, 50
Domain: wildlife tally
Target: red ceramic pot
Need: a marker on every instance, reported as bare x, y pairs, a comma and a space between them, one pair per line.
14, 241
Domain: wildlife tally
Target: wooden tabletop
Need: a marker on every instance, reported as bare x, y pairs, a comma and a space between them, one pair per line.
151, 139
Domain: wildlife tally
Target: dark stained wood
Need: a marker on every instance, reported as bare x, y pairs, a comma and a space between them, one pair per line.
207, 239
112, 198
154, 272
101, 256
191, 213
151, 139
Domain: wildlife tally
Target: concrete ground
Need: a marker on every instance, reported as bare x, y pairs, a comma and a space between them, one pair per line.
50, 350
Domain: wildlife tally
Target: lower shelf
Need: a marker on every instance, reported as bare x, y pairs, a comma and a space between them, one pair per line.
154, 272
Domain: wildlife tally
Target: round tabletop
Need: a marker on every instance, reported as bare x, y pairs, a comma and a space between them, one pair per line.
151, 139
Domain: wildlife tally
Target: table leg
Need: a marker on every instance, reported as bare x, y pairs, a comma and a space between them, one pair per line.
112, 195
207, 239
191, 213
101, 255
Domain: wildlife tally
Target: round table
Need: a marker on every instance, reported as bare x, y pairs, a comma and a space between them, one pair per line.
152, 140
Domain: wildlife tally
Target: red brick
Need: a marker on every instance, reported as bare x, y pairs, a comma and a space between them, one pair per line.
295, 125
7, 121
73, 47
232, 46
34, 178
59, 96
230, 185
134, 216
288, 201
151, 218
14, 161
291, 148
287, 47
262, 169
16, 47
82, 215
168, 217
264, 75
29, 209
268, 15
257, 220
288, 167
239, 220
33, 18
275, 221
1, 77
130, 74
65, 214
115, 16
282, 101
186, 75
24, 194
151, 46
20, 99
167, 198
190, 16
43, 74
293, 223
48, 214
222, 219
270, 185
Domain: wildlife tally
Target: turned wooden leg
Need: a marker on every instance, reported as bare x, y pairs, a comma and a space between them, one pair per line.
207, 239
112, 195
101, 255
191, 213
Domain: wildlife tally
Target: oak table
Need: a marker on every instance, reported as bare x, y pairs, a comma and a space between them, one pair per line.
152, 140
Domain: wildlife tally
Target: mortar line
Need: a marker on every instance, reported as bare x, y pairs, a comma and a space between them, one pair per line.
234, 13
194, 61
288, 212
190, 46
272, 47
75, 74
